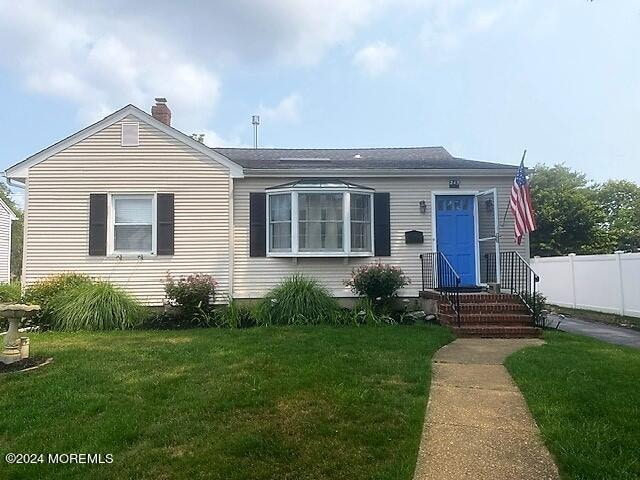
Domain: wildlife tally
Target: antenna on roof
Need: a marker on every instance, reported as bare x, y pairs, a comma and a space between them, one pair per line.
255, 120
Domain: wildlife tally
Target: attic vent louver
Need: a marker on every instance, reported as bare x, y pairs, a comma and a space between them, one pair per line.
130, 134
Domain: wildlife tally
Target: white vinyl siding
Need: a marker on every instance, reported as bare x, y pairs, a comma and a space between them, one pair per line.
58, 210
5, 244
254, 276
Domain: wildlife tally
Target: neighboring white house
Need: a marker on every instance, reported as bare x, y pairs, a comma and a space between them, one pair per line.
131, 199
6, 219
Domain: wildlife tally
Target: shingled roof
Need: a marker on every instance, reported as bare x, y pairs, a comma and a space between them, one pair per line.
352, 158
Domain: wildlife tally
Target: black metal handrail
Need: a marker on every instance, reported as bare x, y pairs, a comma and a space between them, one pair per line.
520, 279
516, 276
439, 275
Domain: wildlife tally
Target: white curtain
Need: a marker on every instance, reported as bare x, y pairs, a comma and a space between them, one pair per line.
360, 222
280, 222
320, 221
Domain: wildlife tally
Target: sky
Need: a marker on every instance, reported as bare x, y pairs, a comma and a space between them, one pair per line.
484, 79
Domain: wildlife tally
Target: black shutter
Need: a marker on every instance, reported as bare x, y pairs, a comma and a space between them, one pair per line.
98, 224
166, 221
257, 224
381, 225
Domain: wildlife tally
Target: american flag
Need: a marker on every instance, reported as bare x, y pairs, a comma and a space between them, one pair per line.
520, 204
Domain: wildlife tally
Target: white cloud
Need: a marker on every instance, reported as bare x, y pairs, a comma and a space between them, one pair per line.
102, 55
376, 58
99, 66
450, 25
213, 139
287, 110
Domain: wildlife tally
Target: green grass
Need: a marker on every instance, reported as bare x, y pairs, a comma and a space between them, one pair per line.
585, 396
282, 402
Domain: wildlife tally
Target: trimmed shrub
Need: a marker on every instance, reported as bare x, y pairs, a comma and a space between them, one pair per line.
44, 291
194, 296
95, 306
298, 300
10, 292
378, 282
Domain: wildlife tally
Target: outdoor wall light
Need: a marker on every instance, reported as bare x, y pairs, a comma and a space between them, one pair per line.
423, 207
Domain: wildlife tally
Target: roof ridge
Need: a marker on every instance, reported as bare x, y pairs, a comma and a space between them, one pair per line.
328, 148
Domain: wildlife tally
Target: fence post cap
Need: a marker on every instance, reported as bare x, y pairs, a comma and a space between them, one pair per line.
571, 255
618, 252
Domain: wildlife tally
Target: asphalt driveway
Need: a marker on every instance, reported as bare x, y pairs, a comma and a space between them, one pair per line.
601, 331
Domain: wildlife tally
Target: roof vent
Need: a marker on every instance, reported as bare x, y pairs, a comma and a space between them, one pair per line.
357, 155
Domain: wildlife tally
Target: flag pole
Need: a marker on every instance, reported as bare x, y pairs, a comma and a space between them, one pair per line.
504, 219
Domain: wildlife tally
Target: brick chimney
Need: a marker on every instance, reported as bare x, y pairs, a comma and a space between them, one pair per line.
160, 111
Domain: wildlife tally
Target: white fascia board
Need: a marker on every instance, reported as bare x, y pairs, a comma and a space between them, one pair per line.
20, 171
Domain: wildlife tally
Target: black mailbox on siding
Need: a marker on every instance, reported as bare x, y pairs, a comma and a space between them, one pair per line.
413, 236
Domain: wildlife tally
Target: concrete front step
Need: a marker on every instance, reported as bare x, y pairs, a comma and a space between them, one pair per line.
495, 319
492, 331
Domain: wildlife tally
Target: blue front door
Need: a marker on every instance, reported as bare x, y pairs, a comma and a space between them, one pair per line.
455, 234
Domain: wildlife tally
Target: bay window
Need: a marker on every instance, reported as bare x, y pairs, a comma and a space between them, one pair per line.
316, 218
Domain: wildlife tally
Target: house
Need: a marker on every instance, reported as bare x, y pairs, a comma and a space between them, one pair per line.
131, 199
7, 217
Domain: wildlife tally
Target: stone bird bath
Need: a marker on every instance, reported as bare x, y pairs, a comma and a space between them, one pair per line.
15, 347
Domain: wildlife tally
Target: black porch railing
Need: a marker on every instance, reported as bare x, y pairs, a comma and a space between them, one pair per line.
516, 276
439, 275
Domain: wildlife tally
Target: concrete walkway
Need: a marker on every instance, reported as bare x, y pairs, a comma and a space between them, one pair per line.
477, 424
601, 331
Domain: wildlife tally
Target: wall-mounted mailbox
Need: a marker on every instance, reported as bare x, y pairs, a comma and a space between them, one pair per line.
413, 236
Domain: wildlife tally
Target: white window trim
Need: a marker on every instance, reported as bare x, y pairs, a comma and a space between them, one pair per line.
346, 223
111, 217
137, 125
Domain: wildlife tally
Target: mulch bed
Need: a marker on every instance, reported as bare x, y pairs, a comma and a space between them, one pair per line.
26, 364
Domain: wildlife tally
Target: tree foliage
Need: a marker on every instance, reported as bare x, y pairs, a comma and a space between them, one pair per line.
575, 215
620, 202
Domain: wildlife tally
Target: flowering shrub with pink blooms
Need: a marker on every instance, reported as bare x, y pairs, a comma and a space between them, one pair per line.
378, 282
193, 294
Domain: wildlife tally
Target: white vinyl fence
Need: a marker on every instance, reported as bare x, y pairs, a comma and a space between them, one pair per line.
604, 283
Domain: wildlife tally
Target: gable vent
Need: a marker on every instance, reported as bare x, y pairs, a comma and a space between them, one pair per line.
130, 134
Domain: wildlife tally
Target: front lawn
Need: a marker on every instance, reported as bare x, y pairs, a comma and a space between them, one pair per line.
296, 402
585, 396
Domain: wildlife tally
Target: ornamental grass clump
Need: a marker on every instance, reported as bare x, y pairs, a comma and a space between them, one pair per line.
298, 300
44, 291
378, 282
95, 306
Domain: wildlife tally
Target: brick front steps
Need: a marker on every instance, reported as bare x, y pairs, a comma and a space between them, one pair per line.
486, 315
